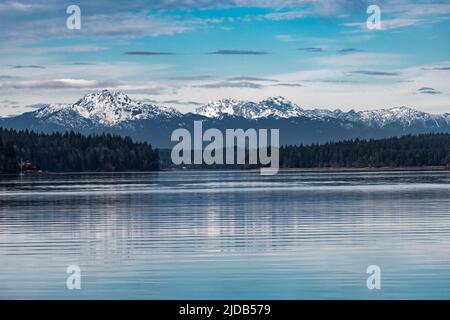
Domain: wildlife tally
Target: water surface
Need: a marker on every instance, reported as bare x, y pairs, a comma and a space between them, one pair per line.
226, 235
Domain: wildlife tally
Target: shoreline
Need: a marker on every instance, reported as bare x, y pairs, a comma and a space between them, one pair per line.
318, 169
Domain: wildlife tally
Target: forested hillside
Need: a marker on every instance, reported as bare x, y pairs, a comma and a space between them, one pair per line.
74, 152
406, 151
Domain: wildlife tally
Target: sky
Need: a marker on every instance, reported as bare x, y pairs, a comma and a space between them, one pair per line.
316, 53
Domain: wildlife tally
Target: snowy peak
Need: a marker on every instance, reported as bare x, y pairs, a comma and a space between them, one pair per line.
277, 107
280, 107
228, 107
279, 103
106, 108
403, 116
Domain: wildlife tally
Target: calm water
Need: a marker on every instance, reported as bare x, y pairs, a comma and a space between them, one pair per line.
210, 235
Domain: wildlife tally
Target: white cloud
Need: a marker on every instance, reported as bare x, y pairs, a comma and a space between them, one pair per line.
332, 88
117, 25
420, 9
388, 24
287, 15
57, 84
93, 70
401, 14
46, 50
359, 59
322, 88
14, 6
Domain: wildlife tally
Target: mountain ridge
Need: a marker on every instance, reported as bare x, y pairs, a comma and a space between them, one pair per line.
265, 108
116, 112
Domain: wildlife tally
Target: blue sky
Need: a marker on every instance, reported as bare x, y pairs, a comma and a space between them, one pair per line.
319, 54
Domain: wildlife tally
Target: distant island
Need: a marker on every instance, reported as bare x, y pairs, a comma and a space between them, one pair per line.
74, 152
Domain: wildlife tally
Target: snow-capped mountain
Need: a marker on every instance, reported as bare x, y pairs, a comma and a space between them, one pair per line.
104, 108
116, 113
404, 116
277, 107
280, 107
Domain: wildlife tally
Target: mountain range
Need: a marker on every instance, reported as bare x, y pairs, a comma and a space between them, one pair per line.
114, 112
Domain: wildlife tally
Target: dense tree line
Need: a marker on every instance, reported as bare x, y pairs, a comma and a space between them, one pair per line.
68, 152
405, 151
73, 152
